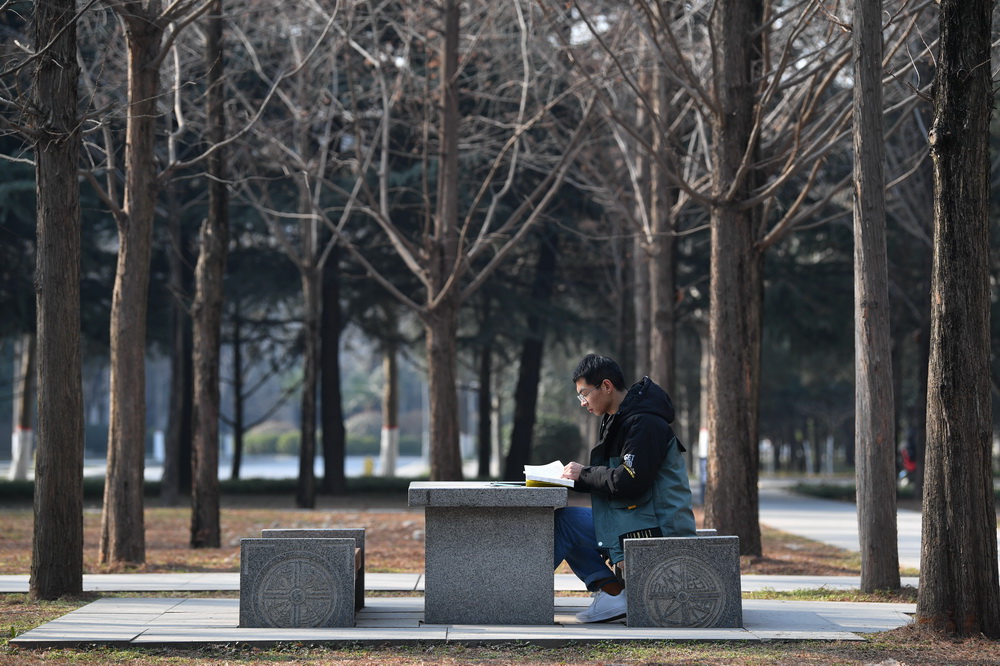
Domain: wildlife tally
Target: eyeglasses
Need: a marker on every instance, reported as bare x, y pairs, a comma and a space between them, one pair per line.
582, 396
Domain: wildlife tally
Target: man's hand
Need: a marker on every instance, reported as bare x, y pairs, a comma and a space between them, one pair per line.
572, 471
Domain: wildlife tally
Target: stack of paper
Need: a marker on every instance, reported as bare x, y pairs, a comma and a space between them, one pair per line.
546, 475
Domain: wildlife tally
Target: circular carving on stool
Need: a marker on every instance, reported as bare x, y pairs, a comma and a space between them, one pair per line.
296, 590
683, 592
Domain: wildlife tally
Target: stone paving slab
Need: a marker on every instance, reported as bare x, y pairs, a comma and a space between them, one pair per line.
399, 620
202, 582
381, 582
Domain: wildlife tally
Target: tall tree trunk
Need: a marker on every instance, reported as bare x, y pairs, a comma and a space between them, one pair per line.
484, 408
207, 308
441, 315
239, 419
736, 289
389, 446
177, 452
122, 522
959, 590
663, 267
643, 247
441, 331
530, 367
305, 495
22, 445
623, 283
57, 543
642, 303
663, 280
874, 413
331, 412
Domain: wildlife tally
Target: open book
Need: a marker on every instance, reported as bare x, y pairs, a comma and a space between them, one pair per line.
546, 475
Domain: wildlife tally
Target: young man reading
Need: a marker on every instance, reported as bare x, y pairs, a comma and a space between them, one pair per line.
636, 477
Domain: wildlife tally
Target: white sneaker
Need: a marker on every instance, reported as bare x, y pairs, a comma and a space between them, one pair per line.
604, 607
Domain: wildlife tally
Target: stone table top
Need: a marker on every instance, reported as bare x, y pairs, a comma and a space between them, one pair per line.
483, 494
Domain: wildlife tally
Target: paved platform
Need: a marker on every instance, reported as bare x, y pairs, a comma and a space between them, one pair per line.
164, 622
399, 620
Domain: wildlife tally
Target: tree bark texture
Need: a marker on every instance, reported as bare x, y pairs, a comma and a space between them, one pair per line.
736, 281
177, 451
642, 304
305, 495
959, 591
441, 315
210, 273
57, 543
122, 522
441, 331
663, 267
874, 415
530, 367
331, 409
643, 250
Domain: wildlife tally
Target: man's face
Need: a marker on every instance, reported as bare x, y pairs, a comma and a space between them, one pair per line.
593, 398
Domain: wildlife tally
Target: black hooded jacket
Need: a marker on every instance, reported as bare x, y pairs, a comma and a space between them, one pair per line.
637, 476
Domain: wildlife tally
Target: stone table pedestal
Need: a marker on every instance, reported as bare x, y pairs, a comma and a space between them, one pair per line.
488, 552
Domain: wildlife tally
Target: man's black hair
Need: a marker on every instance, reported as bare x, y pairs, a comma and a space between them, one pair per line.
594, 369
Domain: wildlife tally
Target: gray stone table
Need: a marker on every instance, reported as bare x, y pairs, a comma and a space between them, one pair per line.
487, 551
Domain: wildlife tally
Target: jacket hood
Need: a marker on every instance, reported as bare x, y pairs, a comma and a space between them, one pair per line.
646, 397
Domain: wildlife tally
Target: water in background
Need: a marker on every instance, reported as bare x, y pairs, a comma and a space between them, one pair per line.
279, 467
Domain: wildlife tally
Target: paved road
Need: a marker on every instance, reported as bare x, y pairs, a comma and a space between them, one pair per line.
833, 522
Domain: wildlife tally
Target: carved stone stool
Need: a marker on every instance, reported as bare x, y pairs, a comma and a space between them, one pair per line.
298, 582
684, 582
356, 533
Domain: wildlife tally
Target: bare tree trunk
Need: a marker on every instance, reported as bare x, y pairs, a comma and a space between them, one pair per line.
663, 267
57, 544
331, 413
874, 415
663, 339
485, 410
122, 522
441, 318
642, 303
643, 250
389, 446
622, 282
177, 454
239, 419
207, 308
441, 330
530, 368
736, 289
22, 445
305, 495
959, 590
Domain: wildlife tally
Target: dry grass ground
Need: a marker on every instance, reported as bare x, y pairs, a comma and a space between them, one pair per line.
395, 544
